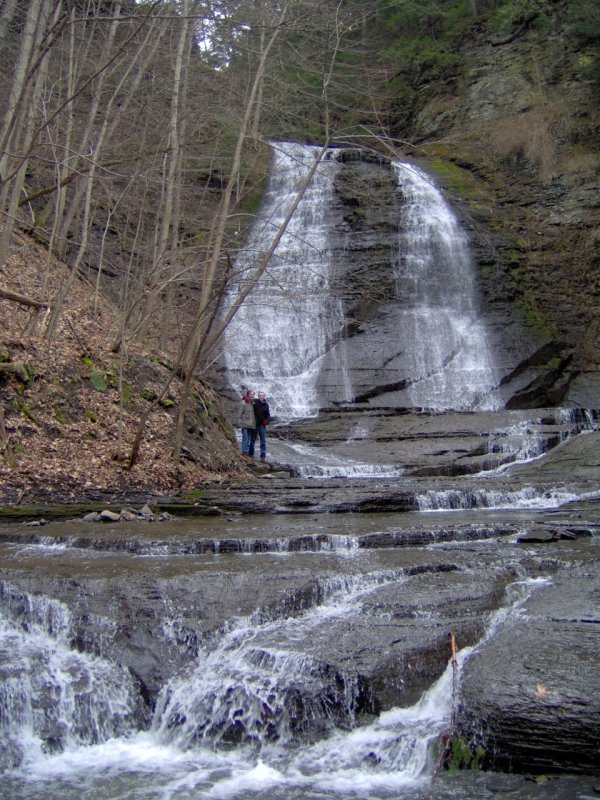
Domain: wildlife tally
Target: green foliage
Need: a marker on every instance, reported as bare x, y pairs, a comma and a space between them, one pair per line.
92, 416
60, 415
462, 756
98, 382
584, 19
420, 54
456, 179
422, 40
504, 14
584, 23
193, 495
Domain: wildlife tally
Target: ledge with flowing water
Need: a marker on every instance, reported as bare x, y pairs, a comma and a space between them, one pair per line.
168, 664
372, 296
224, 651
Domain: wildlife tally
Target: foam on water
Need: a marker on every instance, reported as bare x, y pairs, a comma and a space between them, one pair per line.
527, 497
389, 758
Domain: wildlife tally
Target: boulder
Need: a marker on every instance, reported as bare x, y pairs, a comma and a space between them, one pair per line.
529, 694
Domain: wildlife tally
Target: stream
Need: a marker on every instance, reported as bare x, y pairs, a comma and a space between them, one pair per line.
290, 636
260, 691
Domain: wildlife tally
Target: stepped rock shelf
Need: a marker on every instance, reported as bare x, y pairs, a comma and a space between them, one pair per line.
317, 607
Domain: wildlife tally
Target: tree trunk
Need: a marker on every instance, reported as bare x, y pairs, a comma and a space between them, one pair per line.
172, 167
17, 134
21, 299
193, 346
92, 119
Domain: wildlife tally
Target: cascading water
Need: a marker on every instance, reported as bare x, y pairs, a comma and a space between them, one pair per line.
53, 698
526, 497
446, 343
292, 326
253, 692
290, 319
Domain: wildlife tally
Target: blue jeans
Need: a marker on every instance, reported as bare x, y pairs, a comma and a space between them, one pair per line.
262, 435
248, 439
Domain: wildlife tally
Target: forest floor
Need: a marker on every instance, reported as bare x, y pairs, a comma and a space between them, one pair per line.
70, 407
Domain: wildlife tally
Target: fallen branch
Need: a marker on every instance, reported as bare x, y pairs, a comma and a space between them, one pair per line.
21, 299
517, 32
451, 731
17, 368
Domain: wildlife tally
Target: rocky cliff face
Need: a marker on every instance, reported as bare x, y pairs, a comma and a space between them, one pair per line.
541, 348
533, 367
514, 139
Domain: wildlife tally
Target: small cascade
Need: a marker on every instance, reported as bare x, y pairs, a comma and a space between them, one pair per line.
527, 497
256, 687
530, 439
255, 717
313, 462
52, 697
520, 443
449, 358
253, 696
313, 543
579, 419
291, 319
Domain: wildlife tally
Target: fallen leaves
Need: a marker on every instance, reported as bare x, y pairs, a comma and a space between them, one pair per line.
541, 692
544, 693
83, 429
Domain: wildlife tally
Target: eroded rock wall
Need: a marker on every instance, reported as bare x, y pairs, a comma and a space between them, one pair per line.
513, 136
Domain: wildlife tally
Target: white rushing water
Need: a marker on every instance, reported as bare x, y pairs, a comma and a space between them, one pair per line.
527, 497
290, 319
450, 362
255, 673
529, 440
318, 462
282, 334
49, 692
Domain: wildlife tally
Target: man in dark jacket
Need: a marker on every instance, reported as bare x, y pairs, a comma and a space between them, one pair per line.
262, 416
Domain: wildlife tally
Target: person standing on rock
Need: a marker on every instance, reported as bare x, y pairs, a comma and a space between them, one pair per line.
247, 422
262, 417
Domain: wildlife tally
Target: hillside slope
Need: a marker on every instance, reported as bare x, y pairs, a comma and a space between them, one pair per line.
70, 409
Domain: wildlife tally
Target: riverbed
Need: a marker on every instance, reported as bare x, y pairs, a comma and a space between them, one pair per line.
240, 655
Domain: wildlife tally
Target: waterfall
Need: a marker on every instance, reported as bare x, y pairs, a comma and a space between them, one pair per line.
527, 497
53, 698
446, 343
290, 320
292, 328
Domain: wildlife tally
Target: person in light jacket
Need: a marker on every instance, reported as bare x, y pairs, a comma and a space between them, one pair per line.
262, 416
247, 422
